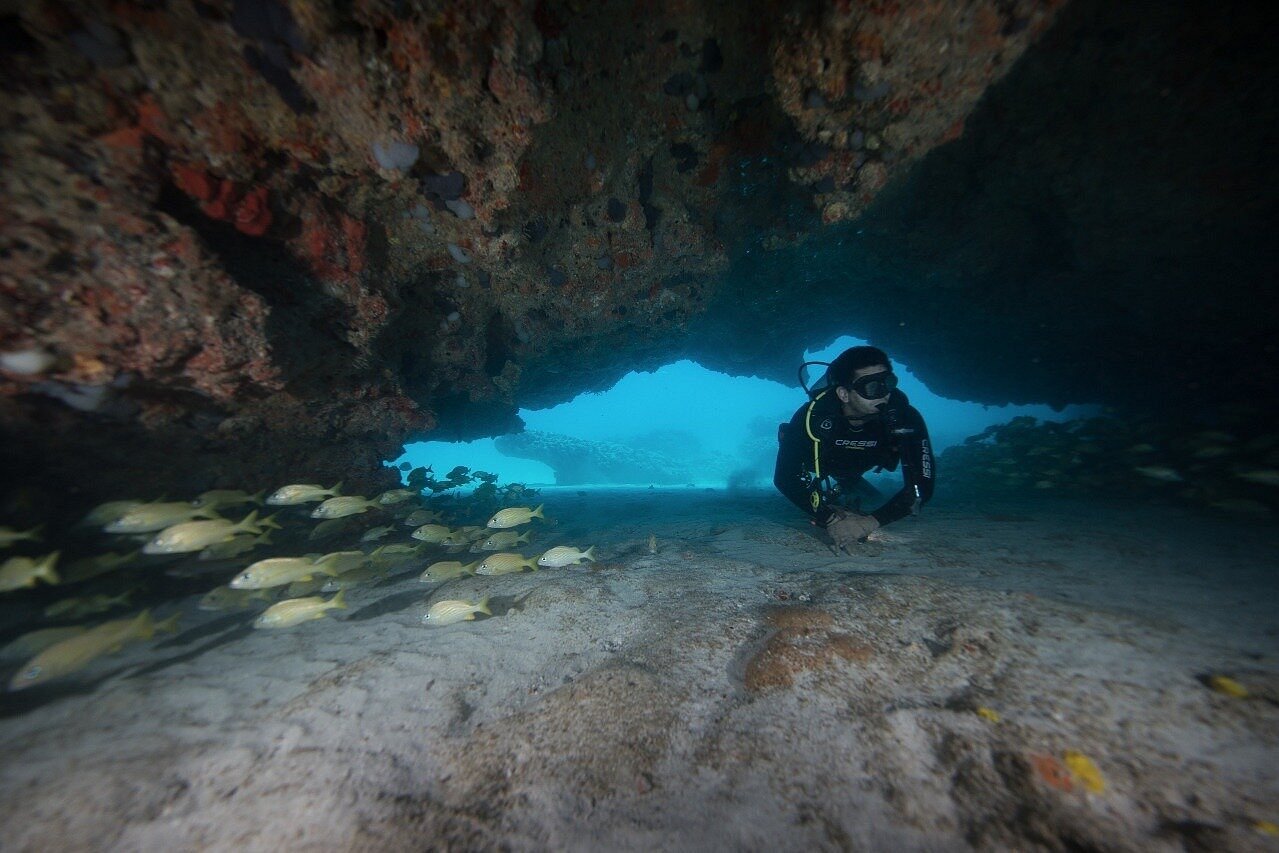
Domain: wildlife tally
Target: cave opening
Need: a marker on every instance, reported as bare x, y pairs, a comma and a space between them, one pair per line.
685, 425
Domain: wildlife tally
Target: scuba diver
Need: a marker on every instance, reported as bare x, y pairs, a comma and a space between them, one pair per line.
855, 420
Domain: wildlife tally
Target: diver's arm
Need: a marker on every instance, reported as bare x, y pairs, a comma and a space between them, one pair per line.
793, 475
918, 471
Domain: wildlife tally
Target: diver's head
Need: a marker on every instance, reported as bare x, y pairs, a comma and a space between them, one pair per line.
863, 379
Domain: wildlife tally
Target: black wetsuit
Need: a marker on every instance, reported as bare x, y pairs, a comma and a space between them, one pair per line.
819, 443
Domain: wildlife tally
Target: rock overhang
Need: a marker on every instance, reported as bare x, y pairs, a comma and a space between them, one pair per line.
302, 235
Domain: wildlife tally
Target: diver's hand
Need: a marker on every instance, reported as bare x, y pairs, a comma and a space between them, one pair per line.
848, 528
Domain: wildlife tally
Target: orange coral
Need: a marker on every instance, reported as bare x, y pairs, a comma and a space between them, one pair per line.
252, 215
220, 199
129, 137
333, 249
194, 181
353, 233
1052, 772
151, 118
221, 125
219, 207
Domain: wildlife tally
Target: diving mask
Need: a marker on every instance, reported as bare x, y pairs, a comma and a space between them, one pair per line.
875, 385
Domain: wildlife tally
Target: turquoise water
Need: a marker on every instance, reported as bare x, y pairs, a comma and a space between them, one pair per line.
703, 413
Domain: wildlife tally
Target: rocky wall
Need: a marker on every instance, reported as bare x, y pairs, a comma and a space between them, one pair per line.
1099, 233
283, 238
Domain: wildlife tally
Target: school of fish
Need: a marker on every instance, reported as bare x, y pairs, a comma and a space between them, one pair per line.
283, 587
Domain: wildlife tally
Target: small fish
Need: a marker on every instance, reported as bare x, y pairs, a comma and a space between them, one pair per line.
376, 533
34, 642
432, 533
515, 516
454, 610
988, 714
294, 611
75, 653
86, 605
1228, 686
279, 571
1212, 451
1265, 477
1159, 472
325, 529
297, 589
652, 543
419, 517
226, 598
103, 514
398, 549
1142, 448
302, 493
22, 572
447, 569
463, 536
341, 507
355, 577
197, 535
1083, 769
340, 562
235, 547
218, 498
91, 567
395, 496
505, 539
565, 555
8, 535
150, 518
1242, 506
504, 564
384, 561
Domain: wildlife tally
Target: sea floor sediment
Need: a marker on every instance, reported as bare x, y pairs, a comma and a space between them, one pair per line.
718, 680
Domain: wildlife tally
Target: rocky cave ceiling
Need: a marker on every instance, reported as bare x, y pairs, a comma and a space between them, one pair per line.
271, 238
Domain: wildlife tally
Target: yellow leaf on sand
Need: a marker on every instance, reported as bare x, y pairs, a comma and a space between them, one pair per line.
1228, 686
1085, 771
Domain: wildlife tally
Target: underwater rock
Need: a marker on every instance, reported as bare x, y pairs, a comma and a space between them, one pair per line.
460, 208
395, 155
101, 43
445, 187
27, 362
802, 641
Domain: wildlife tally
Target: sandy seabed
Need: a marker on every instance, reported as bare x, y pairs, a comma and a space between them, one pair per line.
740, 689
